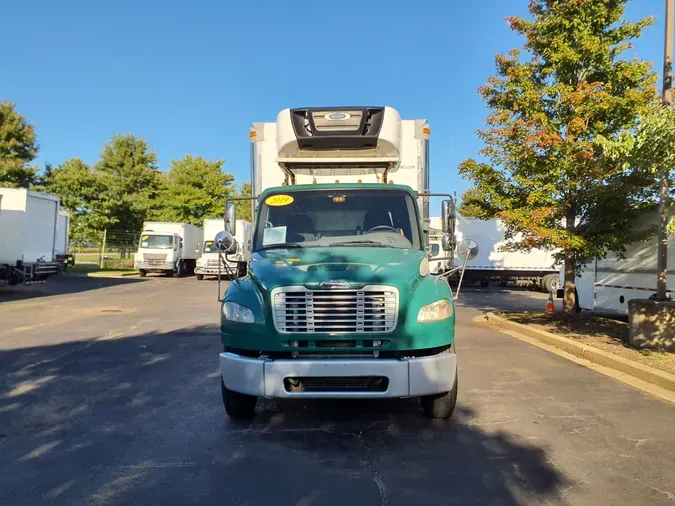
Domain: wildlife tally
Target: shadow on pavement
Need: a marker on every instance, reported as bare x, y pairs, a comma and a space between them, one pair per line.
139, 420
60, 286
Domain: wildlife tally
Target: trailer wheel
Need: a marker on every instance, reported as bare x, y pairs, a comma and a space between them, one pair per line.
550, 283
200, 277
503, 284
142, 273
440, 405
238, 405
484, 283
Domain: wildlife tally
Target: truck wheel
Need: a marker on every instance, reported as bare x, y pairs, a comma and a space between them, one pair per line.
238, 405
142, 273
503, 284
200, 277
440, 405
484, 283
550, 283
179, 270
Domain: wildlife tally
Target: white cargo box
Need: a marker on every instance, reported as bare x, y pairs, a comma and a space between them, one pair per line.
191, 235
490, 236
28, 225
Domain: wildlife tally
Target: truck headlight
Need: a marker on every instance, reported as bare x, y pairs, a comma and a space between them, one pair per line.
439, 310
236, 313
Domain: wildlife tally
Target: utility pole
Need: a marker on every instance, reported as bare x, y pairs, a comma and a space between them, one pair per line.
662, 268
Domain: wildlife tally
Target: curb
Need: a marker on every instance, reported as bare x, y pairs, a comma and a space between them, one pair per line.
600, 357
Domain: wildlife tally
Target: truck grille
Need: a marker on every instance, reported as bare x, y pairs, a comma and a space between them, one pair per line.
154, 258
371, 309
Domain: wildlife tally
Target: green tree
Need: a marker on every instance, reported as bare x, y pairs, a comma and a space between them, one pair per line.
18, 148
244, 207
545, 175
79, 189
475, 204
130, 181
195, 189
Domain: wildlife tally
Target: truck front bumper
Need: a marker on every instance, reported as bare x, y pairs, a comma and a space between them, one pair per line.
409, 377
154, 267
213, 271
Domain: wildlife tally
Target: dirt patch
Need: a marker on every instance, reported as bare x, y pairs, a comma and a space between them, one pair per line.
602, 333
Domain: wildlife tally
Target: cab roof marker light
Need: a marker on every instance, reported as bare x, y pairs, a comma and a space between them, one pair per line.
426, 131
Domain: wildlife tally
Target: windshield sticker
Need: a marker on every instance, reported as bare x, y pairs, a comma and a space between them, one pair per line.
274, 235
279, 200
145, 237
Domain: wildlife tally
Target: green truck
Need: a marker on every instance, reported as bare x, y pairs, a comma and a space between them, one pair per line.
336, 299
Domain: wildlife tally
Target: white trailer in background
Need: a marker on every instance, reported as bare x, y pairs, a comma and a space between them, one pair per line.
28, 235
62, 239
207, 263
168, 247
535, 267
606, 285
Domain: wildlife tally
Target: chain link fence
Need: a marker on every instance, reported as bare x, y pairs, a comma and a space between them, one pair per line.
112, 249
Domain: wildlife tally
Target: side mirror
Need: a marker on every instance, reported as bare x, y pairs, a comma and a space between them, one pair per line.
446, 242
226, 242
231, 218
447, 215
467, 249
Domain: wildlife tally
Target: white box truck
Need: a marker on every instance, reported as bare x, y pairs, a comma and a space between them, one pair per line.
207, 263
536, 267
28, 235
607, 284
168, 247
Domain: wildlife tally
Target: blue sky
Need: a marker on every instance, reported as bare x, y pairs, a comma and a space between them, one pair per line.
190, 77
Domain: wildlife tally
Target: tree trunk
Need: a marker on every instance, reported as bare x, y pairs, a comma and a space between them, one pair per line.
569, 296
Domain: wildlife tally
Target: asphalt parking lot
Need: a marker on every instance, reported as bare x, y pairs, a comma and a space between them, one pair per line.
109, 395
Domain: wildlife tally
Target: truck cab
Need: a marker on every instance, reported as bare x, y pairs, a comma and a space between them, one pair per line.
208, 262
167, 247
338, 300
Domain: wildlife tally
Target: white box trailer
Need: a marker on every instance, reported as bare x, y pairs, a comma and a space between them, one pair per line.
168, 247
606, 285
28, 228
207, 263
285, 151
536, 266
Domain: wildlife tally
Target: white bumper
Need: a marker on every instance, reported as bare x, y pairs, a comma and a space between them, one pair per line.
406, 377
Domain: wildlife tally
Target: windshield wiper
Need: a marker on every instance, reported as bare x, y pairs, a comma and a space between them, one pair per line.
283, 245
361, 243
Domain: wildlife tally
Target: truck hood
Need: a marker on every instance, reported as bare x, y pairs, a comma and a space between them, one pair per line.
360, 266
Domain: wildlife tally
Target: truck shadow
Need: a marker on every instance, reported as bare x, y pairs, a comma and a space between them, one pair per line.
139, 419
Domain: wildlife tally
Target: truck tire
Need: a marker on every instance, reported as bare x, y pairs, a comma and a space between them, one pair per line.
200, 277
179, 270
485, 283
440, 405
550, 283
142, 273
238, 405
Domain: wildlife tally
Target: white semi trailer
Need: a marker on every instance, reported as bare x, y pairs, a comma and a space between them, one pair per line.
28, 235
207, 263
168, 247
606, 285
536, 267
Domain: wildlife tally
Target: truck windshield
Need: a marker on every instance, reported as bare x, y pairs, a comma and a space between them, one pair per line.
338, 218
435, 249
156, 241
210, 247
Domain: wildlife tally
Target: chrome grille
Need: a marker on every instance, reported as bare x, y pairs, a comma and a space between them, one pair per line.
154, 258
371, 309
